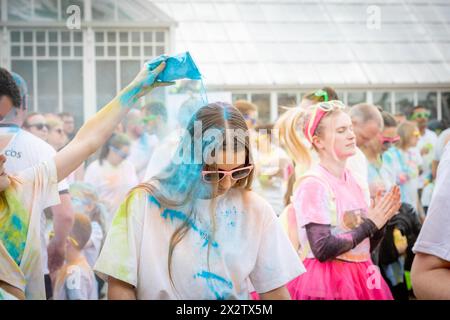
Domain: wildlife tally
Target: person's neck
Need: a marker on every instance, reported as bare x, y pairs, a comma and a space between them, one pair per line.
422, 131
334, 166
73, 255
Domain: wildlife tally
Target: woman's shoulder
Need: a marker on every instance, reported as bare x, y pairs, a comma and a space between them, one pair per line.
251, 201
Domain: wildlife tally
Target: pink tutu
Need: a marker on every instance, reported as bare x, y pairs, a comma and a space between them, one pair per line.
339, 280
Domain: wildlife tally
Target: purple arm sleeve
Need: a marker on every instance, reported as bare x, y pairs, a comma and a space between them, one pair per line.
326, 246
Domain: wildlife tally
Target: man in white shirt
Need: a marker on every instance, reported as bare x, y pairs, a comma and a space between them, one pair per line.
25, 150
367, 125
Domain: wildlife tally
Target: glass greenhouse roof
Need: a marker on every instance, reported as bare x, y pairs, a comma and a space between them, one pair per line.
294, 42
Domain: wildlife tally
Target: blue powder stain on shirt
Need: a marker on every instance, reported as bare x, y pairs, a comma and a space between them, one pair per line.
17, 224
152, 199
175, 214
222, 284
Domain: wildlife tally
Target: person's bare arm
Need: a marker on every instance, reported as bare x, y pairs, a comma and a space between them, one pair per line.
119, 290
434, 166
280, 293
430, 277
63, 217
99, 128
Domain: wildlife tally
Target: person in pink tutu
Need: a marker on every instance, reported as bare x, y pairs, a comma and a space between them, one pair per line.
334, 228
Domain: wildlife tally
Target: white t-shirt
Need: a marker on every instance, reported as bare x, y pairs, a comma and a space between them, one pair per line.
428, 140
359, 167
24, 151
249, 243
112, 183
441, 143
141, 151
76, 282
434, 237
37, 189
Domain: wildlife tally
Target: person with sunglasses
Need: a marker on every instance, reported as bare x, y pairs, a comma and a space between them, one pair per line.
36, 124
112, 174
378, 179
331, 226
25, 194
196, 230
56, 136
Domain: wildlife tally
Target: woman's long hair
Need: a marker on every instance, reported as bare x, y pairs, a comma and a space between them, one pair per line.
181, 182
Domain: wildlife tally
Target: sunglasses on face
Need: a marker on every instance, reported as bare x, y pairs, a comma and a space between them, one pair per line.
59, 131
388, 140
420, 115
39, 126
119, 152
149, 118
216, 176
249, 118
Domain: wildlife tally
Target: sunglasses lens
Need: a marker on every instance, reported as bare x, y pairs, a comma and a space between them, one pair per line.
240, 174
213, 177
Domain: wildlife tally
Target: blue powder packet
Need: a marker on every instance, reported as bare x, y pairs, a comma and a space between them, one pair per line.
177, 67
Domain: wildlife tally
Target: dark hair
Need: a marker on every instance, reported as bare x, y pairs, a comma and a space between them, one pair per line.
332, 95
156, 108
9, 88
388, 120
66, 114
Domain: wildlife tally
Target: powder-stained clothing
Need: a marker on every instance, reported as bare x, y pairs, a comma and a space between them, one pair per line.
248, 244
20, 251
23, 151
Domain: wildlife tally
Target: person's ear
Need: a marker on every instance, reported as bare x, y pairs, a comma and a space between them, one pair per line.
318, 143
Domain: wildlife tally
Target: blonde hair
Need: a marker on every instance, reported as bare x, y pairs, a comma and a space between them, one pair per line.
53, 121
291, 126
405, 131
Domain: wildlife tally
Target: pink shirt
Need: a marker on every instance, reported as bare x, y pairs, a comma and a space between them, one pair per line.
342, 208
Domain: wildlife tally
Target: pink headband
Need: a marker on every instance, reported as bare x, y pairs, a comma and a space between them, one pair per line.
313, 122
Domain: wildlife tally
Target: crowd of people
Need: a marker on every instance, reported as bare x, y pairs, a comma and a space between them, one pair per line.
329, 202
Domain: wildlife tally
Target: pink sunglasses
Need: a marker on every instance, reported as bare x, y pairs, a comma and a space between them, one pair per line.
236, 174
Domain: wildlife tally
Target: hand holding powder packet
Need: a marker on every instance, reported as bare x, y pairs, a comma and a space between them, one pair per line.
178, 67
